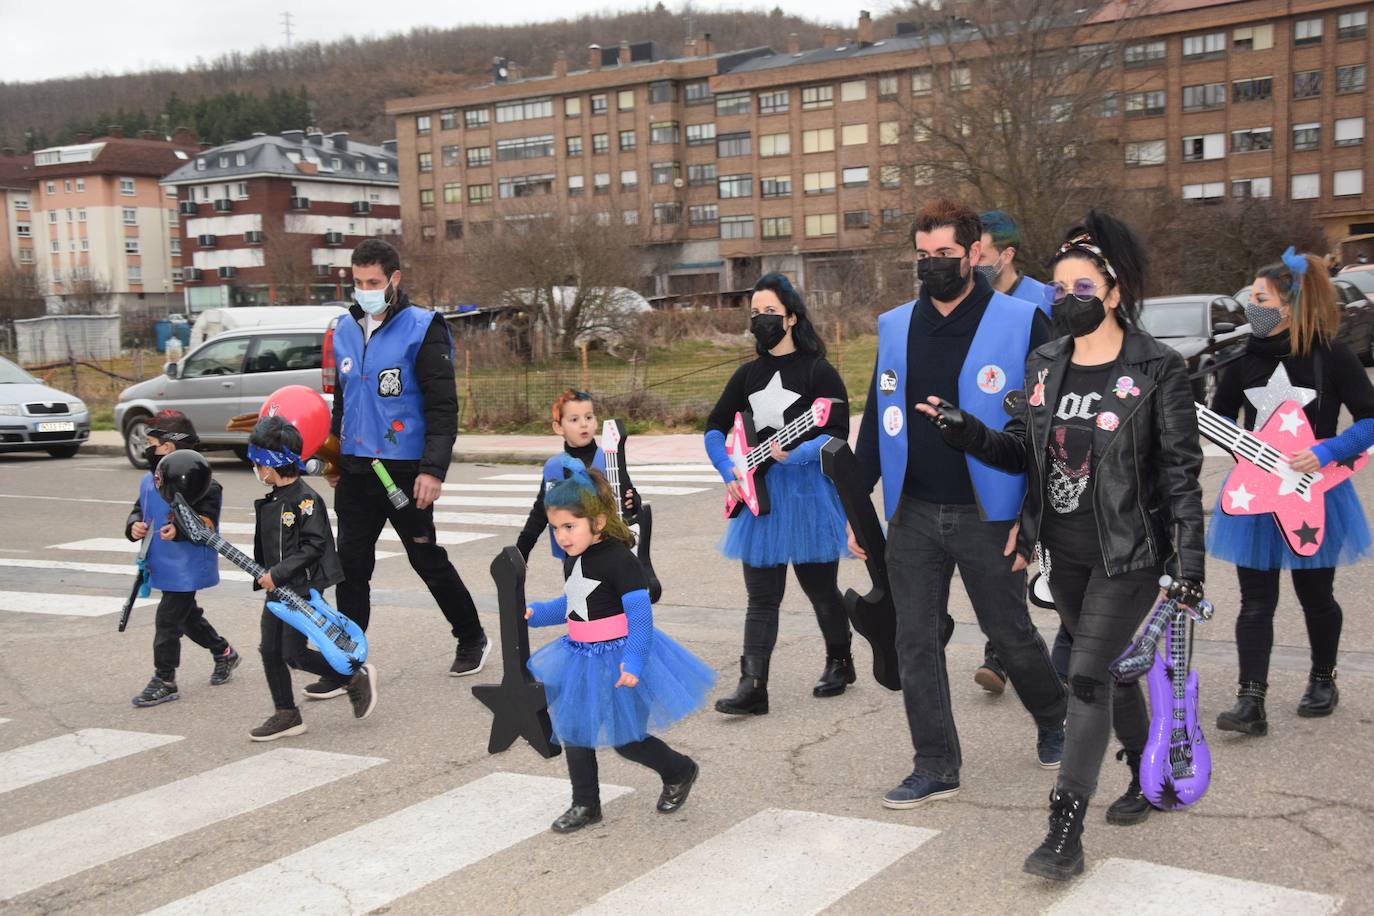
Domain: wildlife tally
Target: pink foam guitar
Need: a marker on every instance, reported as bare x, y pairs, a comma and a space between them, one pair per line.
752, 458
1262, 480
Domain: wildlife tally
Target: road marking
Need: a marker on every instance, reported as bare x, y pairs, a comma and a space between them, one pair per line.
65, 605
672, 469
495, 502
446, 537
526, 501
372, 865
634, 474
109, 569
120, 545
1147, 889
67, 499
783, 862
3, 721
69, 845
490, 519
65, 754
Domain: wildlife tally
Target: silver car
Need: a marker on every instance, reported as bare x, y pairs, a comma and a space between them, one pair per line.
36, 417
228, 375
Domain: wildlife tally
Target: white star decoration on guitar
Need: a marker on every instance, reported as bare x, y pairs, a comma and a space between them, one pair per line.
1240, 498
768, 403
578, 588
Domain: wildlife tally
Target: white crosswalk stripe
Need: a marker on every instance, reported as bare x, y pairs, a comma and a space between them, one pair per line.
119, 545
777, 861
69, 845
372, 865
528, 499
66, 605
493, 519
636, 475
34, 763
495, 502
532, 485
126, 570
247, 528
1146, 889
3, 721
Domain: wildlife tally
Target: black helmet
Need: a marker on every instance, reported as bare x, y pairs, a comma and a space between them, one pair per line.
185, 472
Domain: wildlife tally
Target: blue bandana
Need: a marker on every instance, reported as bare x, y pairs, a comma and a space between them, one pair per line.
267, 458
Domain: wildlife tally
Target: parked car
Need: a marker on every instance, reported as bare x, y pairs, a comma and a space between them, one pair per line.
1207, 330
223, 377
1357, 316
38, 417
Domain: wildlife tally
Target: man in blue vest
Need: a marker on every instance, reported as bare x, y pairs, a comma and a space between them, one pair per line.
396, 400
964, 342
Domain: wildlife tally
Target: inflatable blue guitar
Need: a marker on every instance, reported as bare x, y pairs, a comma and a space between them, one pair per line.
341, 641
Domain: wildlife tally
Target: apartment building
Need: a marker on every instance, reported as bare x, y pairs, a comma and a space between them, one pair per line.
274, 219
757, 160
16, 213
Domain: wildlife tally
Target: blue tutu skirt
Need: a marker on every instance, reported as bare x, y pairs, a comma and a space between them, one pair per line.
1254, 541
805, 523
588, 710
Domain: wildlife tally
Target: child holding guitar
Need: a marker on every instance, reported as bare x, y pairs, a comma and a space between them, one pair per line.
1292, 361
787, 510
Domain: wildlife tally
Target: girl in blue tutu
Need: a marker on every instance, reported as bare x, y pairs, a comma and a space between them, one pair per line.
612, 681
1293, 322
805, 524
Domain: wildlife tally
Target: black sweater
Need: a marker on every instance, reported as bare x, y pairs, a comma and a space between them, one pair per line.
1343, 382
805, 374
539, 518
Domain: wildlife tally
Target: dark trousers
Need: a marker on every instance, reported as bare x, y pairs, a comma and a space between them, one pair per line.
670, 766
1259, 598
179, 615
283, 648
765, 586
363, 510
1059, 653
926, 542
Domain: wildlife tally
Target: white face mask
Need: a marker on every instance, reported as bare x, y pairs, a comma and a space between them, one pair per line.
257, 472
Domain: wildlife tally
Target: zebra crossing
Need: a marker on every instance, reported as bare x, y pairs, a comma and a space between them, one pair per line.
772, 861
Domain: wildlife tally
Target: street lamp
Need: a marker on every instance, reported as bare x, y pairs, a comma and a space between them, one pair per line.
338, 286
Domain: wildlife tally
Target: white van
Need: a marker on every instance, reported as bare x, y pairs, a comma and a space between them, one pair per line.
213, 322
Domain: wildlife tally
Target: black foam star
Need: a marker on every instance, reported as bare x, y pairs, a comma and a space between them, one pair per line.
1348, 463
1306, 534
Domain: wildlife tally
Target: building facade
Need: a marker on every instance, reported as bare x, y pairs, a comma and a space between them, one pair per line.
274, 219
16, 214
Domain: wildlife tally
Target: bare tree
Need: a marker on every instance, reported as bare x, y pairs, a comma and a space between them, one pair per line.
85, 293
286, 256
21, 293
431, 270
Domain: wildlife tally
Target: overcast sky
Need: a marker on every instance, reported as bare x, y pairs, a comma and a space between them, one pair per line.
97, 36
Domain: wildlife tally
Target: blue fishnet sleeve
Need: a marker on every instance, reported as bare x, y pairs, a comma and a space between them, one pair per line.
549, 613
809, 452
639, 613
1358, 437
720, 458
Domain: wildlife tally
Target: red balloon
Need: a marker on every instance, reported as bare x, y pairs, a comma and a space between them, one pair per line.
304, 408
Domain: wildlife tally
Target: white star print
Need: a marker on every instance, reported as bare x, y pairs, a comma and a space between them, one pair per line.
578, 588
769, 402
1277, 390
1240, 498
1290, 422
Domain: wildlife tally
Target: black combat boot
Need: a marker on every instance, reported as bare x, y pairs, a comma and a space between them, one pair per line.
1321, 696
1132, 807
1247, 716
838, 673
1060, 857
751, 696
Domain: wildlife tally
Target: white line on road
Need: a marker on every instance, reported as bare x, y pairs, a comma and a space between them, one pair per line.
120, 545
529, 500
108, 569
376, 863
68, 605
69, 845
1147, 889
783, 862
495, 502
67, 499
3, 721
635, 473
65, 754
671, 469
490, 519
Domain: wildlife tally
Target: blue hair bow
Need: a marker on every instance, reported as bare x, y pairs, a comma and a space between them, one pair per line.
1295, 262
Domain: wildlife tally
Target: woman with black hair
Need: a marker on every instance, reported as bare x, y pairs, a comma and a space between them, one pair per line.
805, 524
1109, 442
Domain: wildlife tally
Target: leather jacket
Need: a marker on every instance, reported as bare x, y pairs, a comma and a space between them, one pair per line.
293, 539
1145, 470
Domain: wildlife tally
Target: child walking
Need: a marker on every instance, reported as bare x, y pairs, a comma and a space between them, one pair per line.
612, 680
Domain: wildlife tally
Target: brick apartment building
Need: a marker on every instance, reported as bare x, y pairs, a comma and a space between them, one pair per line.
763, 160
16, 213
274, 219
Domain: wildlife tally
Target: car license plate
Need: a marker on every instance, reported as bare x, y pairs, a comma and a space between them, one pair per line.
56, 427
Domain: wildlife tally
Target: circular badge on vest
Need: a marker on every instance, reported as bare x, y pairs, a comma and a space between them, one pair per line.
346, 365
991, 379
887, 381
892, 420
1107, 420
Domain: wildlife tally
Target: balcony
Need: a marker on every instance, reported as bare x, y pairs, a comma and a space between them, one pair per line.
207, 241
228, 273
190, 275
253, 237
299, 203
188, 208
224, 205
334, 239
362, 207
321, 270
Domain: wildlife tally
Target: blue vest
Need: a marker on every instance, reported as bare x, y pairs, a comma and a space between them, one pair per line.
384, 410
1032, 291
995, 365
173, 566
553, 473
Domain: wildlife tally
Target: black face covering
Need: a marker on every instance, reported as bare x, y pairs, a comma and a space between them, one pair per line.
944, 277
150, 453
1079, 317
768, 330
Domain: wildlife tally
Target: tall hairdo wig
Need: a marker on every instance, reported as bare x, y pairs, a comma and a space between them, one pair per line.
587, 494
804, 334
1119, 255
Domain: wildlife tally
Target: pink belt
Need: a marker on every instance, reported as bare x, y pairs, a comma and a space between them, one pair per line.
600, 630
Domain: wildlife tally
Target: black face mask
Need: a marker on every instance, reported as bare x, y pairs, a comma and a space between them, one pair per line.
768, 330
1078, 317
943, 277
150, 453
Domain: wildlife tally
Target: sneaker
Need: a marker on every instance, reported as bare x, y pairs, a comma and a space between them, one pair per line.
157, 692
362, 691
324, 689
470, 658
1049, 745
224, 666
283, 724
991, 677
917, 789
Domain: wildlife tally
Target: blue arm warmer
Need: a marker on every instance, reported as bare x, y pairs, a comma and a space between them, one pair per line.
715, 450
809, 452
549, 613
639, 613
1358, 437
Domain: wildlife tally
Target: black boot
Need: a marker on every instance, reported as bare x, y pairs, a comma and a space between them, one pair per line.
1132, 807
577, 817
751, 696
1247, 716
838, 673
1321, 696
1060, 857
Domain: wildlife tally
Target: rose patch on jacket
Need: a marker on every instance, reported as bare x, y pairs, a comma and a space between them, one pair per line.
389, 383
288, 519
307, 507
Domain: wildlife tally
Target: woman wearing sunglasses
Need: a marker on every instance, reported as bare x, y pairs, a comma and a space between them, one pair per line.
1109, 442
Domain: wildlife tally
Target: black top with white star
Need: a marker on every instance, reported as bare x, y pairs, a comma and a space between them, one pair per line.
600, 577
788, 383
1343, 382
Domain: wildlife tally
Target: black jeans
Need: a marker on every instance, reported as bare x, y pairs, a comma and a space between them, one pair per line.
1259, 597
283, 647
179, 615
925, 543
671, 766
363, 510
765, 586
1059, 653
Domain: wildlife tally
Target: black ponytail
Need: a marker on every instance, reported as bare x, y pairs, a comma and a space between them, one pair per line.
804, 335
1120, 256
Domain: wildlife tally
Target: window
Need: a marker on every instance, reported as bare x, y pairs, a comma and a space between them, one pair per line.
1145, 54
664, 172
887, 87
1349, 131
382, 168
629, 179
960, 78
818, 183
427, 233
126, 185
736, 227
576, 185
891, 217
1352, 25
731, 186
224, 357
856, 219
426, 198
703, 214
627, 140
135, 273
23, 230
283, 352
1306, 187
775, 186
1252, 90
81, 184
453, 229
777, 227
820, 224
599, 104
56, 246
921, 81
889, 176
773, 102
1148, 152
1204, 47
52, 217
476, 117
524, 110
662, 91
601, 183
818, 141
478, 156
1212, 190
479, 194
700, 134
453, 192
421, 127
889, 133
201, 165
854, 91
855, 177
1253, 38
697, 92
224, 160
1307, 136
1347, 183
625, 100
1204, 96
1111, 105
601, 144
1348, 79
701, 175
629, 217
81, 215
1251, 187
448, 119
1204, 146
733, 103
449, 154
775, 145
1307, 84
1145, 104
175, 244
816, 97
524, 186
572, 106
854, 134
130, 216
663, 132
1254, 139
25, 255
21, 203
51, 187
426, 162
1307, 32
667, 214
574, 145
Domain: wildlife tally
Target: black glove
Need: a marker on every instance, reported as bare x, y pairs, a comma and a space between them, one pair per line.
952, 421
1187, 592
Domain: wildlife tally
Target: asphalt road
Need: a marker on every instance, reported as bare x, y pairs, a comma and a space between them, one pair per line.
107, 809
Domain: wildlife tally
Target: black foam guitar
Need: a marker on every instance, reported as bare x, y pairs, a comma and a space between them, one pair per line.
613, 438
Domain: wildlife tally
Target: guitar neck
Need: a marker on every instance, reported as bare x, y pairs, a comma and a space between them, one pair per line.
1238, 441
783, 437
246, 563
613, 478
1178, 654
